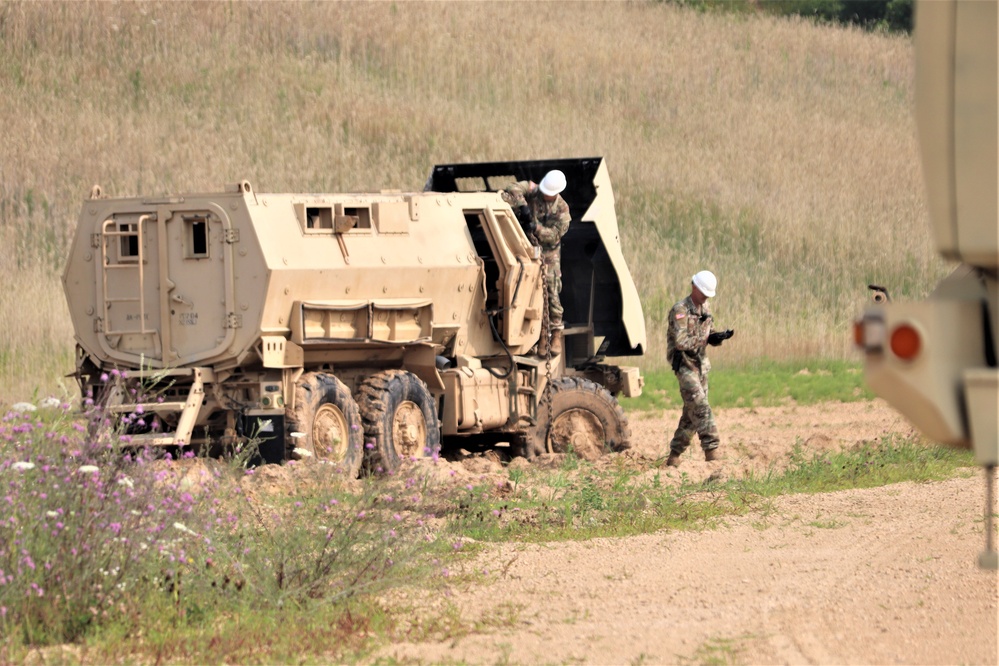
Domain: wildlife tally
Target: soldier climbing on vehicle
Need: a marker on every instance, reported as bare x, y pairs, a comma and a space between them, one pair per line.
544, 215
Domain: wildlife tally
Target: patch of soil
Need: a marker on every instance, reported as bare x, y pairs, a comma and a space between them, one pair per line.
884, 575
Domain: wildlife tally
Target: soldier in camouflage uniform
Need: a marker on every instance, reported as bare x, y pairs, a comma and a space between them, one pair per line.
690, 331
545, 217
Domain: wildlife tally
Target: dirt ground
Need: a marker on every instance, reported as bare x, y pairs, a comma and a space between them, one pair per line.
878, 576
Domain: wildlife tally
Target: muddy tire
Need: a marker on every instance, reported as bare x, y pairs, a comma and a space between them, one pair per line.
327, 422
585, 419
400, 420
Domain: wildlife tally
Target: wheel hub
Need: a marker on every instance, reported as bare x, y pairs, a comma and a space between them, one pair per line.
578, 430
330, 434
409, 430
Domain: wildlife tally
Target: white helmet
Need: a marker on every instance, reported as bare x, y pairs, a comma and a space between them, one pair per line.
706, 282
552, 183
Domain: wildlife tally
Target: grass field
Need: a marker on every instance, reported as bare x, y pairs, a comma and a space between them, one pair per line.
760, 383
779, 154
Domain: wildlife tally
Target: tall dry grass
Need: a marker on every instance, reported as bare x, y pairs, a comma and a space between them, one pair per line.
779, 154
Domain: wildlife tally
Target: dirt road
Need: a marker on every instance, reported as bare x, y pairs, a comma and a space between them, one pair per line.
878, 576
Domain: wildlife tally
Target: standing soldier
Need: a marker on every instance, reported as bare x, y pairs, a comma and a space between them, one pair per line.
689, 332
544, 214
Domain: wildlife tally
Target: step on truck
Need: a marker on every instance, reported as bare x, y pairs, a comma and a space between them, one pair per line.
358, 328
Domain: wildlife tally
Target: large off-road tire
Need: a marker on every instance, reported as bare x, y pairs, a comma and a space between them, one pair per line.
329, 421
400, 420
585, 420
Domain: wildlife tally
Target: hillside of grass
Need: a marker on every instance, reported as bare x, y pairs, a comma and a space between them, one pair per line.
777, 153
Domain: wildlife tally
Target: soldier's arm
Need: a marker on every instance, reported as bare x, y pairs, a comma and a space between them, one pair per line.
546, 235
552, 232
680, 323
514, 193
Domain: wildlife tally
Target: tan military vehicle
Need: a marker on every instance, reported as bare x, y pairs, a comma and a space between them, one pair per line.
935, 360
356, 327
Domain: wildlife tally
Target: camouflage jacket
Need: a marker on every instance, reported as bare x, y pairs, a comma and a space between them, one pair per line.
551, 219
687, 333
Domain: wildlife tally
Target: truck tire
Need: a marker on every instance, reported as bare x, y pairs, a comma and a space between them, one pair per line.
585, 419
400, 420
328, 421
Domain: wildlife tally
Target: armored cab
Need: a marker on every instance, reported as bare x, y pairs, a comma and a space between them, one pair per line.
314, 323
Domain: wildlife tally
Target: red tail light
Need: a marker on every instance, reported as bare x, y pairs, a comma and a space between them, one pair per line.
906, 343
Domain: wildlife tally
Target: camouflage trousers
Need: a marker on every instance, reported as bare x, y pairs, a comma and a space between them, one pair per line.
553, 284
697, 416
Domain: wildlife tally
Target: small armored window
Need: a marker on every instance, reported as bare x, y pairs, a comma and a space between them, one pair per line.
196, 236
318, 218
363, 216
129, 241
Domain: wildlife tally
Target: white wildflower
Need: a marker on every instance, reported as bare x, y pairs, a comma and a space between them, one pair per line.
23, 407
127, 482
50, 403
88, 469
51, 514
181, 527
302, 453
22, 465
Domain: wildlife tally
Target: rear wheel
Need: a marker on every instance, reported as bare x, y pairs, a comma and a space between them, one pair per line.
585, 419
326, 422
400, 419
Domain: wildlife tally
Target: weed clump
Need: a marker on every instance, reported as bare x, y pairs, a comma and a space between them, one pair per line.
98, 536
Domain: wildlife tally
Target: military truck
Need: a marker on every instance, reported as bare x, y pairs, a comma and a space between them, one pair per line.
355, 328
935, 360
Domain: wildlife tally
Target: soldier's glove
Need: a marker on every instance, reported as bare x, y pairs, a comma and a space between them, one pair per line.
524, 217
703, 317
716, 338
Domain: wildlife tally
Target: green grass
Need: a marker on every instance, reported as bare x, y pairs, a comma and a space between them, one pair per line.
334, 634
717, 652
760, 383
891, 461
581, 502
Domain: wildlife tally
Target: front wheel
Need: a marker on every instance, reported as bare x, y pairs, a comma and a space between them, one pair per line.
400, 419
585, 419
326, 422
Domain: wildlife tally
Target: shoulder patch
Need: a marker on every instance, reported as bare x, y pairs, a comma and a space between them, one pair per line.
681, 315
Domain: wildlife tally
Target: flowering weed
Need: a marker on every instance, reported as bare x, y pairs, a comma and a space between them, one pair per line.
95, 536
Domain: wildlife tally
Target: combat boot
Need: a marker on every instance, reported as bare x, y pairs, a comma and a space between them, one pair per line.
556, 342
543, 344
673, 460
712, 454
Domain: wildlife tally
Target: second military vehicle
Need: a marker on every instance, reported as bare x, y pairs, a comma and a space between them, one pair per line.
355, 328
935, 360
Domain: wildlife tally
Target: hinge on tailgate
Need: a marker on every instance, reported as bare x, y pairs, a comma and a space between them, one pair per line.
232, 236
95, 241
233, 320
98, 325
